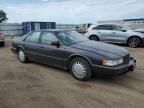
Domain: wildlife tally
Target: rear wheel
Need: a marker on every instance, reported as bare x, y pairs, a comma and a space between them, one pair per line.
93, 37
22, 56
80, 69
134, 42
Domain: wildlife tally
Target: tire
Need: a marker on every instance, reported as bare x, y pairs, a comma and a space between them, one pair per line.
93, 37
80, 69
22, 56
134, 42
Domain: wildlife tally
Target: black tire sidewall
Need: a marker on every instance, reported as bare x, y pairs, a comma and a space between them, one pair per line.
87, 66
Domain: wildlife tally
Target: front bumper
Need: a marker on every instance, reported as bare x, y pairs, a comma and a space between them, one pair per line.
115, 71
143, 41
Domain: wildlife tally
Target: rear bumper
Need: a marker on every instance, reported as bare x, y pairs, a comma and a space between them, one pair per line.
115, 71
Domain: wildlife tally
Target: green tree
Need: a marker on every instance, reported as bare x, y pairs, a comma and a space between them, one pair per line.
3, 16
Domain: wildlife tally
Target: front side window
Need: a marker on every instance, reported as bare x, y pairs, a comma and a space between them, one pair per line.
33, 37
117, 27
47, 38
103, 27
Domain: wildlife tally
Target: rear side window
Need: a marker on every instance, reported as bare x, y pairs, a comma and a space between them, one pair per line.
33, 37
47, 38
103, 27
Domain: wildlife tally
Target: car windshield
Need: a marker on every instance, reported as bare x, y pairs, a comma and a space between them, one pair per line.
70, 37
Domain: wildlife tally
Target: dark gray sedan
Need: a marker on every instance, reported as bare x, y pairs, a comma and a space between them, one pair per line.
71, 51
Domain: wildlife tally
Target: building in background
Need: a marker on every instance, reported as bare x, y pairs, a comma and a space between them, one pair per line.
66, 26
30, 26
132, 23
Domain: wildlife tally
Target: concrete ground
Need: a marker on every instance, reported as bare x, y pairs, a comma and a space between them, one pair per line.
33, 85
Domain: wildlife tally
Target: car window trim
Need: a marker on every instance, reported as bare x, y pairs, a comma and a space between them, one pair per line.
27, 36
103, 27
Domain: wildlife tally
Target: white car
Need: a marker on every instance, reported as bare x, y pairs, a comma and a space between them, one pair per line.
141, 30
114, 33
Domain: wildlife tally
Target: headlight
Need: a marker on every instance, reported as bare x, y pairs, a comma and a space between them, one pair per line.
112, 63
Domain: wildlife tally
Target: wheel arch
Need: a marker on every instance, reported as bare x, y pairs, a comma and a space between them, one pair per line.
80, 56
19, 47
134, 36
94, 35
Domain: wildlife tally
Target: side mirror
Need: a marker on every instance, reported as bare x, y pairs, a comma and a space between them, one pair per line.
56, 43
123, 30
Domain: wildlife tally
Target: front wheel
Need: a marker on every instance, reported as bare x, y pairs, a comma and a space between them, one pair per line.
134, 42
80, 69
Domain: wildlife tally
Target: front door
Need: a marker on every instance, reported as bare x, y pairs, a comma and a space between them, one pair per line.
119, 35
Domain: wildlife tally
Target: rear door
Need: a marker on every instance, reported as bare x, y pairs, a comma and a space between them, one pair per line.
104, 32
31, 44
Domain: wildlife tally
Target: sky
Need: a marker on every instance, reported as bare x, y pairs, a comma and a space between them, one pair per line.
72, 11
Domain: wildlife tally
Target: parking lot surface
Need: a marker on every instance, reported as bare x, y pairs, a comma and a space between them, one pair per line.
34, 85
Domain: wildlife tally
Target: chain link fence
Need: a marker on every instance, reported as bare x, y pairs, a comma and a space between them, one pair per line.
8, 29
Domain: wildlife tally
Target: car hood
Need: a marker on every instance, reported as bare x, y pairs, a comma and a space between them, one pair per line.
104, 49
140, 31
135, 33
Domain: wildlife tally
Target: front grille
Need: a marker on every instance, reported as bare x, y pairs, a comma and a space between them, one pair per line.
126, 59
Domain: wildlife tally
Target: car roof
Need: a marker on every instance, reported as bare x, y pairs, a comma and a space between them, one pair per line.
123, 25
